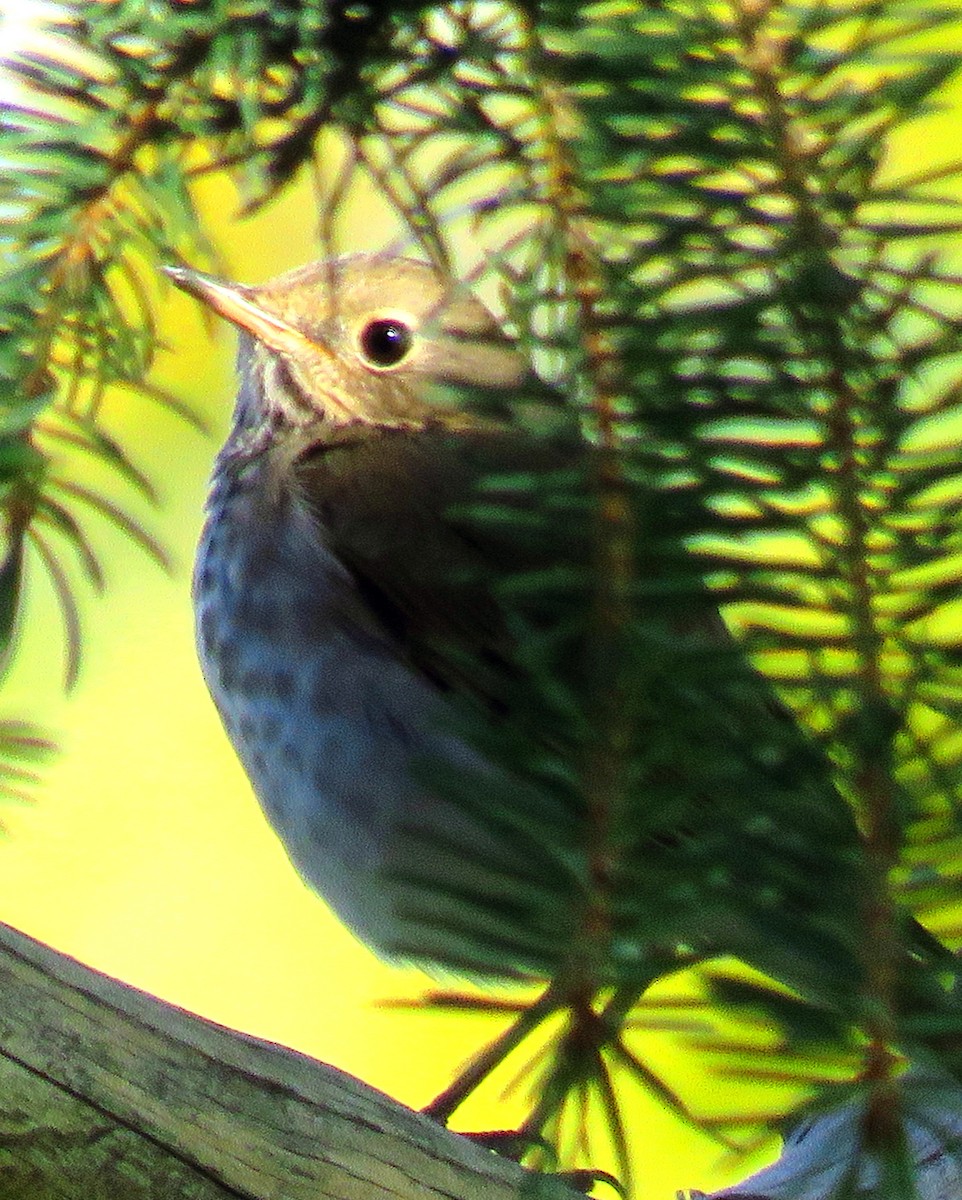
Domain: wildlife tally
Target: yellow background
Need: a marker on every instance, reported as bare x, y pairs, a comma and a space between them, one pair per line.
145, 854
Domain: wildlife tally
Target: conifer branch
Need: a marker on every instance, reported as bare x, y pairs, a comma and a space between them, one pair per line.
686, 207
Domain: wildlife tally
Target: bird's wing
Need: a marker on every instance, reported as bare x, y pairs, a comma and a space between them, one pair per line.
391, 504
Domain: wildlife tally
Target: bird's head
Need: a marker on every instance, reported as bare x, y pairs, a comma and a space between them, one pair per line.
359, 339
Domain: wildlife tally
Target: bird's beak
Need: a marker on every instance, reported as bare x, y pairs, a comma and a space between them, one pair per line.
239, 304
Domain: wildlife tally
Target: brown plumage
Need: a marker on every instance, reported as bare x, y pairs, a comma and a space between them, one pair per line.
342, 597
338, 594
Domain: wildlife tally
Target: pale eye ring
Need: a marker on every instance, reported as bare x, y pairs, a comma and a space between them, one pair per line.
385, 341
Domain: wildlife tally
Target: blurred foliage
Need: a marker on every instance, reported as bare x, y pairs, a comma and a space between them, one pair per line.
685, 214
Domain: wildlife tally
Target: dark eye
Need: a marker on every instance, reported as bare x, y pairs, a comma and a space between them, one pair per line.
385, 341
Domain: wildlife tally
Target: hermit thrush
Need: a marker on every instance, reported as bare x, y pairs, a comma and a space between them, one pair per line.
343, 602
332, 583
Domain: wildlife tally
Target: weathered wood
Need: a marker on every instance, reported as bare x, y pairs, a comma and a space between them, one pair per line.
106, 1091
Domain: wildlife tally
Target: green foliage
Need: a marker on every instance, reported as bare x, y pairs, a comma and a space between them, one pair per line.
22, 748
687, 211
84, 219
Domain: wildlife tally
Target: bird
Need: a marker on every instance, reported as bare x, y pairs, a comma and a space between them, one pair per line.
351, 615
331, 582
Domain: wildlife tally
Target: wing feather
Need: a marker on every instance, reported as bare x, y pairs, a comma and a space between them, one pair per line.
391, 503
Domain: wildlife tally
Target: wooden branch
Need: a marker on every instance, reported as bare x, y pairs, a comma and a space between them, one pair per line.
107, 1092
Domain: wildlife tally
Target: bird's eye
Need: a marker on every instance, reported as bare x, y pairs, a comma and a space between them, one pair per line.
385, 341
